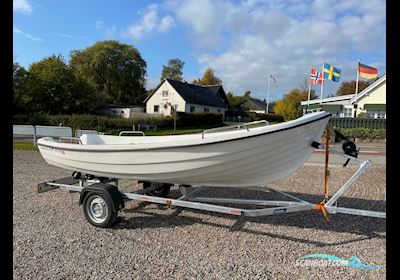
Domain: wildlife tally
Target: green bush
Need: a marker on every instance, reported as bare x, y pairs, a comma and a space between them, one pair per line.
112, 123
198, 119
255, 116
269, 118
363, 133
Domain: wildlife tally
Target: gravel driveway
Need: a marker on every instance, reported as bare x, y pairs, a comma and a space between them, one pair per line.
52, 239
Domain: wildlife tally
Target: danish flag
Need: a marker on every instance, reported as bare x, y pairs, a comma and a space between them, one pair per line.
316, 77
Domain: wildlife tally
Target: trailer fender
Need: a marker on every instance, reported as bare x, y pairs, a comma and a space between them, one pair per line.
110, 191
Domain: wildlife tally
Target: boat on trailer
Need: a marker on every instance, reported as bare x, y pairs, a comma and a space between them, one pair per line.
234, 156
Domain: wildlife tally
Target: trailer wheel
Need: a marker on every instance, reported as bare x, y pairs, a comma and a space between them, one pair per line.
98, 211
162, 189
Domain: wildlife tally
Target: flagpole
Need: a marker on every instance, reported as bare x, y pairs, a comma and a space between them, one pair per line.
309, 93
356, 94
323, 81
269, 78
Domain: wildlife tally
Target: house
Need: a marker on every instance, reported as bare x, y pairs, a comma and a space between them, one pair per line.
370, 102
124, 111
255, 105
180, 96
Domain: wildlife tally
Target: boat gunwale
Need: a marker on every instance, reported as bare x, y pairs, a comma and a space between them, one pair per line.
328, 115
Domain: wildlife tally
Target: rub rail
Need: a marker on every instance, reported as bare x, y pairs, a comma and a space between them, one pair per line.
238, 127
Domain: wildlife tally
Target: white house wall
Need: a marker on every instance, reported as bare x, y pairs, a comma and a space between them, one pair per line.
158, 100
376, 96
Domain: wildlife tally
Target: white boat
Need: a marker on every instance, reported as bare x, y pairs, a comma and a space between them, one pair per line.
244, 156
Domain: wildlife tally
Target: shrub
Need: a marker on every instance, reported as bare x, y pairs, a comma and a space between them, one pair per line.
363, 133
198, 119
112, 123
255, 116
269, 117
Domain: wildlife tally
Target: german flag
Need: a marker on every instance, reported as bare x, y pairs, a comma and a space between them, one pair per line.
367, 71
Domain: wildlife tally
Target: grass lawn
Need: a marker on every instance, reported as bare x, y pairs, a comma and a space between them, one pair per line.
29, 146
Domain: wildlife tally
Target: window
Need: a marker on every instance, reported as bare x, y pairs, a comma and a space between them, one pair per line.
376, 114
156, 107
173, 108
381, 114
206, 109
218, 110
192, 109
334, 113
348, 112
165, 93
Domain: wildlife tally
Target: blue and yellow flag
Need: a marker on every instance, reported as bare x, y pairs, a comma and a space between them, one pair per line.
331, 73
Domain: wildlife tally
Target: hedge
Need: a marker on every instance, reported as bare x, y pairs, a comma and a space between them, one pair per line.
103, 123
255, 116
199, 119
268, 117
363, 133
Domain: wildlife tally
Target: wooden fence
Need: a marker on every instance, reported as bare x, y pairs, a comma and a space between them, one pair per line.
357, 122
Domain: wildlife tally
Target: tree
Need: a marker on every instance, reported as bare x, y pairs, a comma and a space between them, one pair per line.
51, 87
289, 105
173, 70
350, 87
234, 100
208, 78
117, 71
20, 76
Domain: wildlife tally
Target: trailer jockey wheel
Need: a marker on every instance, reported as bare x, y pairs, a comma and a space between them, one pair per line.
97, 208
161, 190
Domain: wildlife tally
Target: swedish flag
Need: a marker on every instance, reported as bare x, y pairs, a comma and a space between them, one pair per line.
331, 73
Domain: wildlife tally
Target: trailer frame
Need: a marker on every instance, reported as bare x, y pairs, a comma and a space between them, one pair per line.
191, 201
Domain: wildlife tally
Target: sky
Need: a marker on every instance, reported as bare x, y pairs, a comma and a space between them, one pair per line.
243, 41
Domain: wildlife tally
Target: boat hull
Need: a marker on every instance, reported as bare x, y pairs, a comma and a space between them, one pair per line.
247, 160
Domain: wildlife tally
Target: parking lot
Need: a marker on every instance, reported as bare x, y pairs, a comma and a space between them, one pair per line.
52, 239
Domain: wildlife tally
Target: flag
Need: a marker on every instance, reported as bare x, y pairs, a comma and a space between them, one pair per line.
367, 71
273, 78
315, 77
331, 73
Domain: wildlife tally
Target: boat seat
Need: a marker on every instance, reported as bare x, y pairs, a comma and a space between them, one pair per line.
91, 139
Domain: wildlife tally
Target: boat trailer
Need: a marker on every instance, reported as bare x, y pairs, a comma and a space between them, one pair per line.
102, 200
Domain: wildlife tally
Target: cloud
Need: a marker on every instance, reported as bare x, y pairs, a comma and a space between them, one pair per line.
22, 6
165, 23
203, 19
29, 36
150, 22
250, 39
99, 24
111, 32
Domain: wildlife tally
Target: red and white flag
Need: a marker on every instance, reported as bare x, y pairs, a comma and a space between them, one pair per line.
316, 77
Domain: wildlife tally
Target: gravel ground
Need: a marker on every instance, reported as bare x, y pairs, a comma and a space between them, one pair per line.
52, 239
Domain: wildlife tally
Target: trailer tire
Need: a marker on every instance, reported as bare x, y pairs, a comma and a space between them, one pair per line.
98, 210
162, 191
